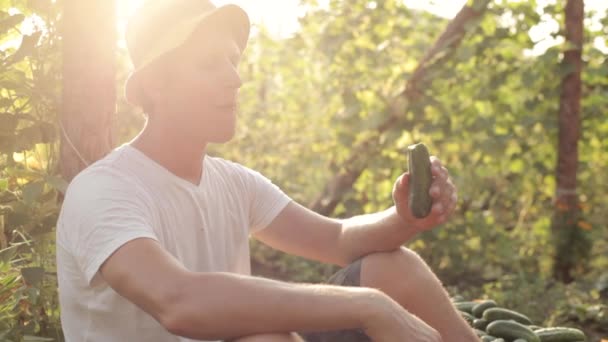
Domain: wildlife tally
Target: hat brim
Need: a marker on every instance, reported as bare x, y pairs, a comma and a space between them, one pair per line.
231, 18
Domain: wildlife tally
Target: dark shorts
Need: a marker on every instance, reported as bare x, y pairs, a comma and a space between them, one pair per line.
347, 276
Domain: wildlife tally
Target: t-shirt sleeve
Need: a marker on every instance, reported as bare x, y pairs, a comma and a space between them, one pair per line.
265, 199
101, 213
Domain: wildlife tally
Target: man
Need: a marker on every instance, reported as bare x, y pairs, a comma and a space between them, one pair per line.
152, 240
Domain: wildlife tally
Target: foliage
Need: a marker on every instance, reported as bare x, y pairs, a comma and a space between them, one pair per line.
488, 110
29, 186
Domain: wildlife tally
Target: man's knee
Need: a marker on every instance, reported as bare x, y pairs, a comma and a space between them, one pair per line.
270, 338
388, 266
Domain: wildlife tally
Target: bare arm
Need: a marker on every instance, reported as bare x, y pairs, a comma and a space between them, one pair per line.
240, 306
300, 231
378, 232
222, 305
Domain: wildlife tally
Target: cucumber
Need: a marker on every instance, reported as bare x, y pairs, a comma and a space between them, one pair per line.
480, 323
534, 327
511, 330
487, 338
420, 200
520, 340
560, 334
467, 317
457, 298
483, 306
480, 333
465, 306
493, 314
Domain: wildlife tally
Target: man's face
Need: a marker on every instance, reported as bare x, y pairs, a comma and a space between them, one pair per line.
201, 92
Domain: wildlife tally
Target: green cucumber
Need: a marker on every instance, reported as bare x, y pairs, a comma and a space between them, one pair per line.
420, 200
493, 314
467, 317
457, 298
465, 306
480, 323
483, 306
511, 330
560, 334
480, 333
487, 338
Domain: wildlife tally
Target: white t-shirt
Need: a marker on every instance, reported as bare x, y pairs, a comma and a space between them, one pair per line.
127, 195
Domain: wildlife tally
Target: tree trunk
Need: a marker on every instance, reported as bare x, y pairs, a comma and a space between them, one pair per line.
89, 85
570, 242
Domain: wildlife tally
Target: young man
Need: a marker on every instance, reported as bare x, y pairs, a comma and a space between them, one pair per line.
152, 240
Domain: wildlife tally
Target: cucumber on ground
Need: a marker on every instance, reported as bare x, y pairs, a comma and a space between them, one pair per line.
467, 317
457, 298
493, 314
480, 333
420, 200
480, 323
560, 334
511, 330
465, 306
483, 306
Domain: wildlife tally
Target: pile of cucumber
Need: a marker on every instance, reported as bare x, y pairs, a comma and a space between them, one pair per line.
494, 323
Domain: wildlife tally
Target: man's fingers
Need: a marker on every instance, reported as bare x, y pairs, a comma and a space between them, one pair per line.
438, 208
404, 180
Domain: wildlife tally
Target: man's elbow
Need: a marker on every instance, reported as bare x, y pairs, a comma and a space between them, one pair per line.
182, 312
175, 311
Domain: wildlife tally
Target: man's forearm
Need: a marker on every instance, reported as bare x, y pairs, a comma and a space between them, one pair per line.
379, 232
223, 305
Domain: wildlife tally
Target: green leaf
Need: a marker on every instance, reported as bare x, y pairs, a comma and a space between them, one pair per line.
7, 254
27, 338
32, 191
58, 183
42, 132
5, 102
3, 184
566, 69
32, 275
478, 5
27, 47
10, 22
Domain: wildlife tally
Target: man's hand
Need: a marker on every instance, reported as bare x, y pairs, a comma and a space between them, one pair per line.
442, 191
391, 322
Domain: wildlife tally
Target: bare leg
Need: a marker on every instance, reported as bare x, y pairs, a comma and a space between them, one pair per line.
406, 278
270, 338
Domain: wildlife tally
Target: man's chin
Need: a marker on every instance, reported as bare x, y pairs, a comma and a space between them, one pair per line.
221, 137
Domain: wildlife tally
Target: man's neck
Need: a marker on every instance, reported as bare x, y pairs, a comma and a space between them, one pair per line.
173, 151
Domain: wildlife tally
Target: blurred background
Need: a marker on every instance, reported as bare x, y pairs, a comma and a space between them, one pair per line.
511, 95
